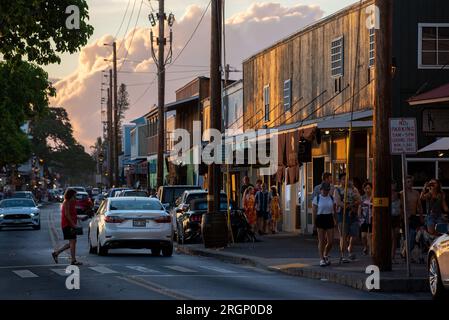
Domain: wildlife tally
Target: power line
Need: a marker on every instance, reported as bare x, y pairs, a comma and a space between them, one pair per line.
123, 19
127, 27
154, 72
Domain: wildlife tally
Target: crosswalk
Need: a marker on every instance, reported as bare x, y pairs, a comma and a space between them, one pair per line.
161, 270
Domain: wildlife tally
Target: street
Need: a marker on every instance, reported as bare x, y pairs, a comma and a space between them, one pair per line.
27, 271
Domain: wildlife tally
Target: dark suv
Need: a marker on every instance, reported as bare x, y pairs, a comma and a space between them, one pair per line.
169, 194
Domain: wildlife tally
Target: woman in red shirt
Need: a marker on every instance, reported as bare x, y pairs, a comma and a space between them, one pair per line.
69, 220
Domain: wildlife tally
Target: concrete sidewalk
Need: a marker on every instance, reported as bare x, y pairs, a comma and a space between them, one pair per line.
297, 255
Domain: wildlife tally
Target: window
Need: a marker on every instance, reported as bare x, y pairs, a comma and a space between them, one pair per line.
287, 95
266, 102
433, 46
337, 57
372, 53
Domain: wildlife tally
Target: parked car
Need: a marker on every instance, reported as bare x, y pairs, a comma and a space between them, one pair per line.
133, 223
438, 264
83, 204
23, 212
169, 194
97, 201
133, 193
189, 221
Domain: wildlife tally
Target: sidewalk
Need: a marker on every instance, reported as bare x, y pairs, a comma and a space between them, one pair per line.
297, 255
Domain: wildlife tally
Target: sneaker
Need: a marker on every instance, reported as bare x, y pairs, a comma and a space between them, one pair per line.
365, 252
328, 261
323, 263
351, 256
344, 260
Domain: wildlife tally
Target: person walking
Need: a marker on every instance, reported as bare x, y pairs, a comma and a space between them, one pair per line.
324, 217
262, 209
245, 186
275, 209
436, 204
365, 213
249, 205
395, 220
325, 177
69, 220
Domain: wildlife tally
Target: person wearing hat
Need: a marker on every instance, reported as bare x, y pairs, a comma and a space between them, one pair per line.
324, 220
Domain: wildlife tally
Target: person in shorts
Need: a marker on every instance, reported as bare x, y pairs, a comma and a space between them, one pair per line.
324, 216
365, 213
262, 209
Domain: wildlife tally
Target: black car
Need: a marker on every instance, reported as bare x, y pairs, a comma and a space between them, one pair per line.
169, 194
189, 222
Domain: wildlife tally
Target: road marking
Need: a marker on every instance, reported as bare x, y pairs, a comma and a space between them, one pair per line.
32, 266
257, 269
141, 269
102, 270
25, 274
217, 269
180, 269
61, 272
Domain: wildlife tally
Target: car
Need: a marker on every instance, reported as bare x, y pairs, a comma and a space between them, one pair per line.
95, 191
438, 264
189, 221
133, 193
112, 191
97, 201
83, 204
132, 223
169, 194
24, 195
78, 189
23, 212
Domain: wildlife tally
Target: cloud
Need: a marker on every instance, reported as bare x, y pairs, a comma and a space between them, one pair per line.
247, 32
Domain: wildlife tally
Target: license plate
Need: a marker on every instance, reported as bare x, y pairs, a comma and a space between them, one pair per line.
139, 223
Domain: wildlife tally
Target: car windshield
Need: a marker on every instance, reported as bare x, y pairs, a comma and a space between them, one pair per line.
135, 205
16, 203
135, 194
22, 195
202, 205
80, 196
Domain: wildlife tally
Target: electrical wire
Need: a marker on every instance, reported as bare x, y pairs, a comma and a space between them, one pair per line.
132, 37
127, 27
123, 19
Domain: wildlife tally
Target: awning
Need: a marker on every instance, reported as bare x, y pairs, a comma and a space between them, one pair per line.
439, 145
360, 119
437, 95
174, 105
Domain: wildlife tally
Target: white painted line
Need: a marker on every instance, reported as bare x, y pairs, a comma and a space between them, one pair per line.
217, 269
61, 272
25, 274
33, 266
180, 269
102, 270
141, 269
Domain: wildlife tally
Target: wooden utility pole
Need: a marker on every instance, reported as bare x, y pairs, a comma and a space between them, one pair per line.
116, 120
109, 134
382, 158
161, 95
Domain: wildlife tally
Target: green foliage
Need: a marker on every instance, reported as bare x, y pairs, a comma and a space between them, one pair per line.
36, 29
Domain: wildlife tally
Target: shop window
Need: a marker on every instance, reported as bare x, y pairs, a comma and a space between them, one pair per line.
433, 45
421, 171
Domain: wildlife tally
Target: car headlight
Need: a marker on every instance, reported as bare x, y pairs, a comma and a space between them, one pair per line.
34, 214
1, 215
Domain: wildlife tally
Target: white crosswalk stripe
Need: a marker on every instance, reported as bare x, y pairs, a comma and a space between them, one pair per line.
142, 269
25, 274
180, 269
217, 269
102, 270
61, 272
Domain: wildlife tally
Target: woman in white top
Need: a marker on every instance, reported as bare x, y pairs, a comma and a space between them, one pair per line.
324, 220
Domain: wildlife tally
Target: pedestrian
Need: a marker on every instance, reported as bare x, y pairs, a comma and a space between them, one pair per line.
258, 186
245, 185
324, 213
325, 177
347, 223
395, 219
365, 213
249, 205
436, 204
275, 209
414, 212
262, 209
69, 220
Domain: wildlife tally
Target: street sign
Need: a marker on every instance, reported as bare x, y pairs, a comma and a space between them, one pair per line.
403, 137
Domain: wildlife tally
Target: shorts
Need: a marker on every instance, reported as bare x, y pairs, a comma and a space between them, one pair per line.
263, 214
365, 227
395, 222
351, 229
325, 221
69, 233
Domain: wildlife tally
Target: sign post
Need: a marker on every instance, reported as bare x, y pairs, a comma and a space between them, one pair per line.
403, 141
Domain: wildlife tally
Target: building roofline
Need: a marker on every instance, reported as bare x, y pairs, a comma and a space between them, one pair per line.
190, 82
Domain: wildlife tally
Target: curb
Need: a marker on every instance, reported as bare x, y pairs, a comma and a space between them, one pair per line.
353, 280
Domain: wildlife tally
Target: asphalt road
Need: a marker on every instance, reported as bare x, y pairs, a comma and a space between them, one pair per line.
27, 271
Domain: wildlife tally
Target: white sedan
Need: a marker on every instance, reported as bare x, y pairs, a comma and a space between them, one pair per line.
133, 223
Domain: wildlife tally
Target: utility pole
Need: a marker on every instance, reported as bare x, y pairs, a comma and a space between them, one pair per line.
214, 223
116, 120
109, 133
382, 158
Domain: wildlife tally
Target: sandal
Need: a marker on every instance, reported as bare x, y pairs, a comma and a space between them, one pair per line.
55, 256
76, 263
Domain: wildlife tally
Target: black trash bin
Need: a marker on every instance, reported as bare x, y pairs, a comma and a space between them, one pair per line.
214, 229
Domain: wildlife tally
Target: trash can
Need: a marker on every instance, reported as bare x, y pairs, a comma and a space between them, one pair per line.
214, 229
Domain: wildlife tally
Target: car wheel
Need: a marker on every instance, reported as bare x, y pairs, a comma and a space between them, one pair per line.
167, 251
101, 251
155, 252
436, 285
92, 250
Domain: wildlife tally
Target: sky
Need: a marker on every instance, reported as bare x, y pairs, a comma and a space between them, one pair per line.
250, 27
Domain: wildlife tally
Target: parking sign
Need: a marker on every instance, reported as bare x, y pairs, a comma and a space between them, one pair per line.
403, 138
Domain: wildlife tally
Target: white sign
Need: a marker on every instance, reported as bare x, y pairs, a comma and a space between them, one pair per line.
403, 138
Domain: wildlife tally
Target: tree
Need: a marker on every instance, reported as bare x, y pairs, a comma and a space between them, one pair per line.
24, 92
38, 29
123, 106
